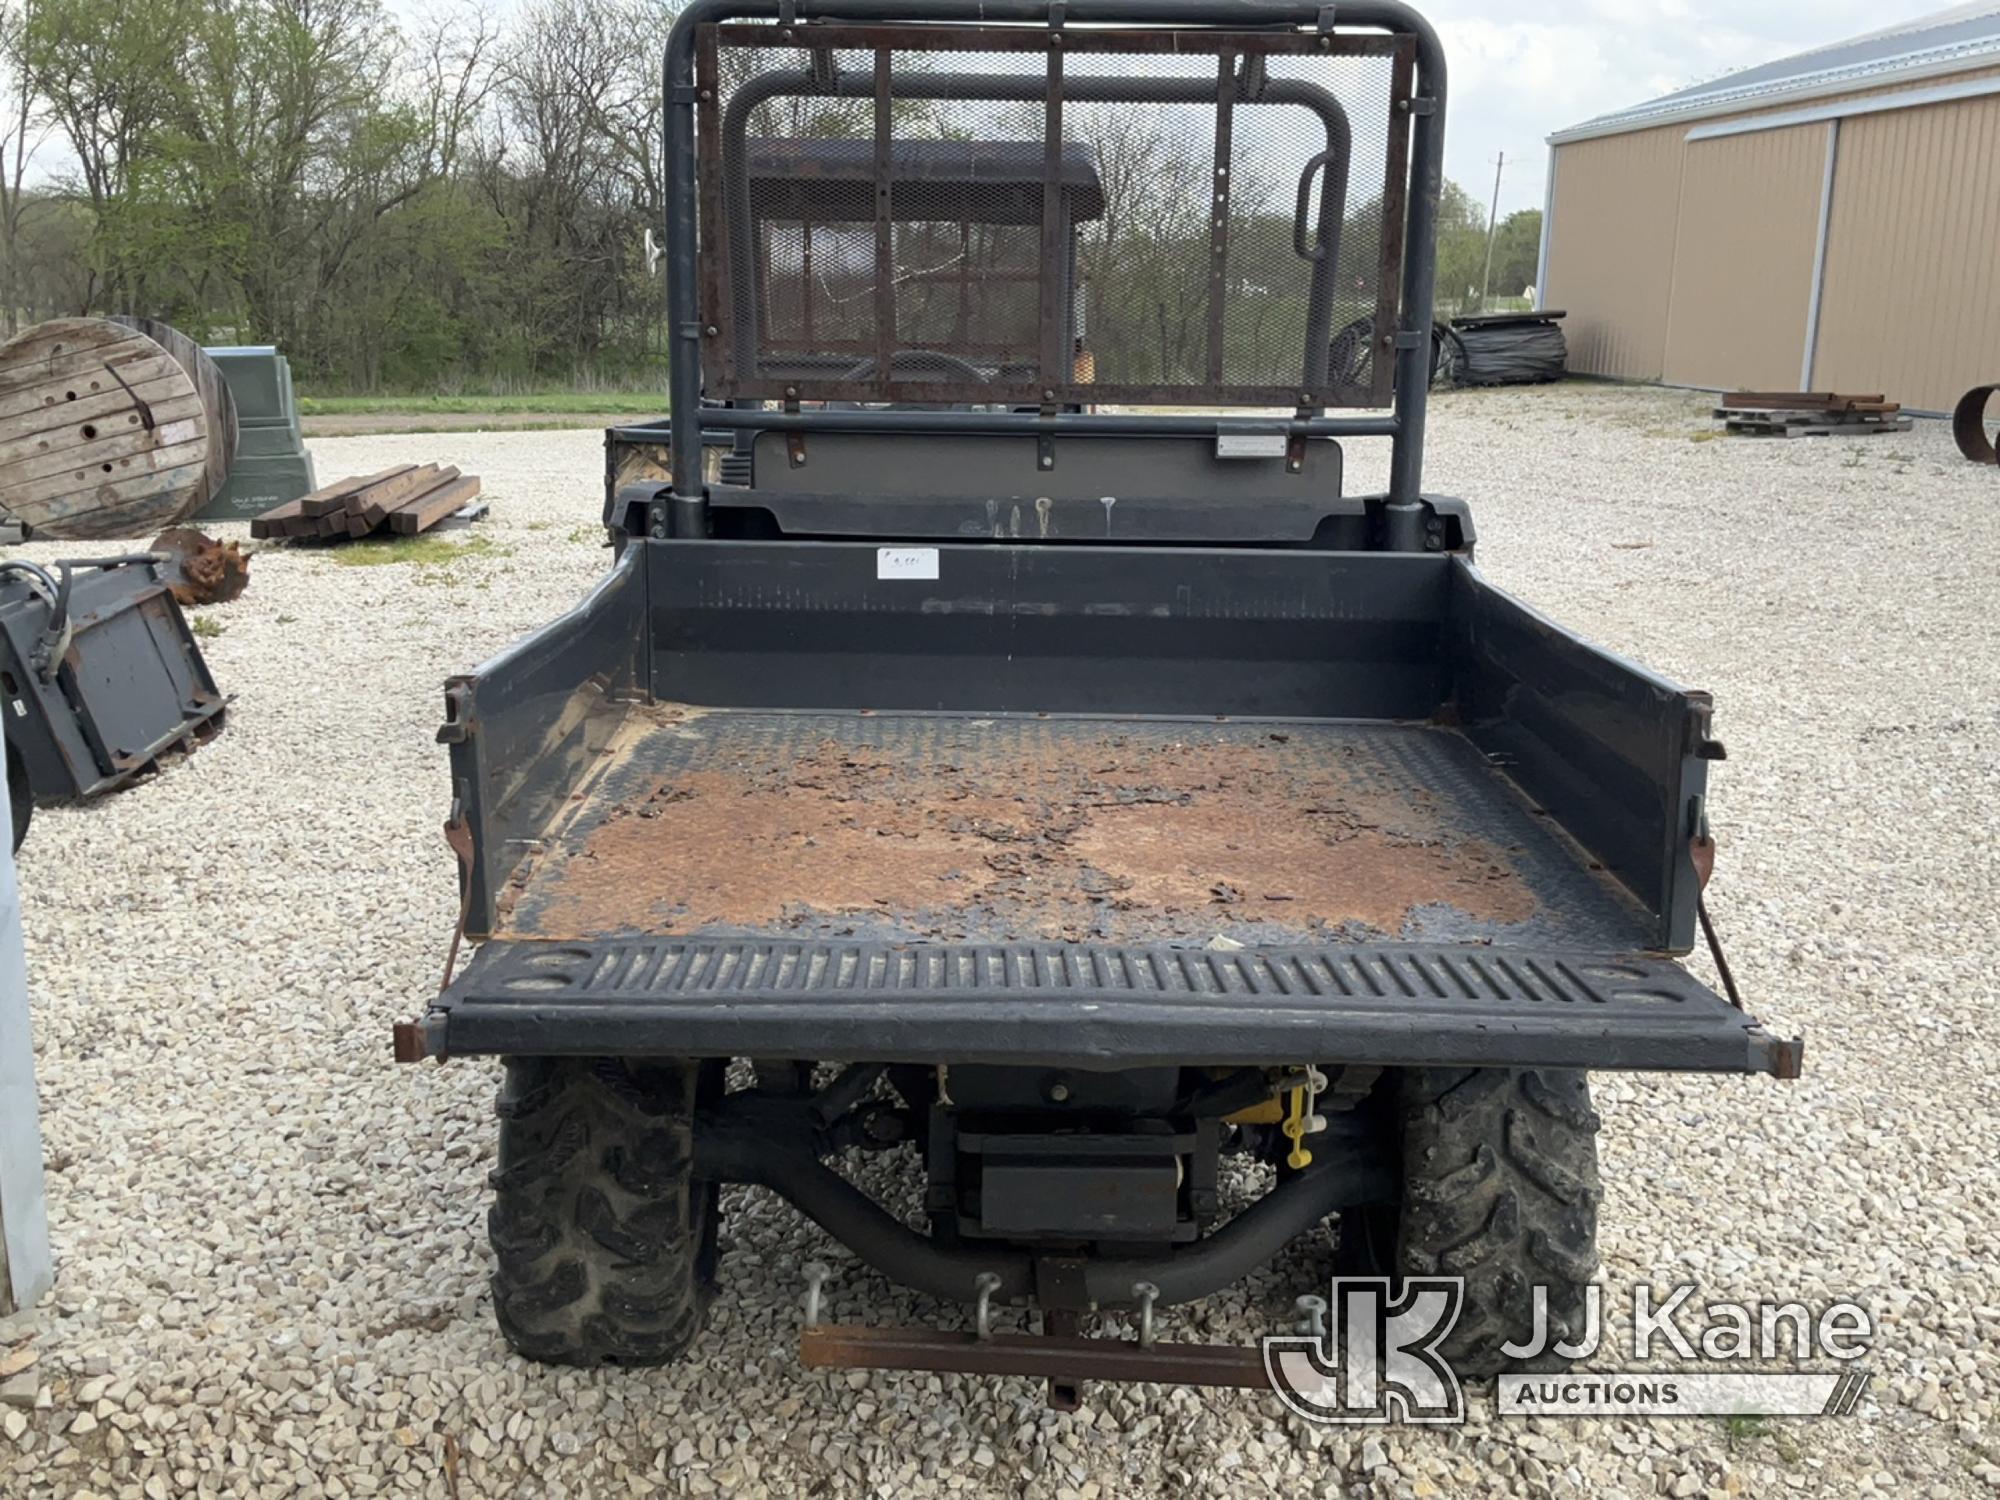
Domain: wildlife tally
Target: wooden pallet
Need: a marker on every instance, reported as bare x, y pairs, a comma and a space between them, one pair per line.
1809, 414
1806, 424
403, 501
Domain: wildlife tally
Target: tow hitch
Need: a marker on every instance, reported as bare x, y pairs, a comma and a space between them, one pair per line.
1058, 1354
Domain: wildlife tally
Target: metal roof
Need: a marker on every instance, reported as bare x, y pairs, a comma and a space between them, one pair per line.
1949, 41
983, 182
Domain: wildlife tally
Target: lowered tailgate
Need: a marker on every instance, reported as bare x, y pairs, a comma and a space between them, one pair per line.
1097, 1006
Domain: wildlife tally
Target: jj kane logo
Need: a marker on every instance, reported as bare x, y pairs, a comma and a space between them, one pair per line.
1377, 1360
1370, 1353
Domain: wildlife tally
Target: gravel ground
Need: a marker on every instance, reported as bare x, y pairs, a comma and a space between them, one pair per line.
272, 1261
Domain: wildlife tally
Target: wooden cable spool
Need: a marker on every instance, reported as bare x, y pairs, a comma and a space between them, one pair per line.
103, 433
218, 402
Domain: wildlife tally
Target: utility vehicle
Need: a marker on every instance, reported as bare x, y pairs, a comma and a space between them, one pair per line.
1004, 742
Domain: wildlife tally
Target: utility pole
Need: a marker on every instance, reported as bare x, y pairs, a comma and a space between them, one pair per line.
1492, 230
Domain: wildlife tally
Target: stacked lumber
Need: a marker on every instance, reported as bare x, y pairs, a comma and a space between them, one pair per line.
1809, 414
402, 501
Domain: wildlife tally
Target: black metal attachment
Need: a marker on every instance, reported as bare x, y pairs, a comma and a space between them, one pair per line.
101, 675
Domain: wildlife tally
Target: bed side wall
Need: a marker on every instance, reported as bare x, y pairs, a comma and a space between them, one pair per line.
527, 726
1614, 753
988, 628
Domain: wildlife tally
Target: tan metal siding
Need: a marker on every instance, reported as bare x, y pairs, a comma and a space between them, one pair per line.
1743, 259
1701, 121
1617, 224
1903, 86
1911, 305
1611, 250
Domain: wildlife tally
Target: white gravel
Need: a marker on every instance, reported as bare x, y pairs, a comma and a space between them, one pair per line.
272, 1260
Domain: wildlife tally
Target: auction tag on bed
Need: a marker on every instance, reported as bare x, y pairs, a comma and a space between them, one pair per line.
906, 562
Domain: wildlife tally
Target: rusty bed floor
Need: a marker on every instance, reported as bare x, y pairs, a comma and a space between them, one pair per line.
960, 829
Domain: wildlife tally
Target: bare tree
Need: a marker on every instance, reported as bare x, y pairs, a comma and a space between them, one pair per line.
453, 55
21, 133
560, 179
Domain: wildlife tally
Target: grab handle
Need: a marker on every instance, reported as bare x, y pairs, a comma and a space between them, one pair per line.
1299, 230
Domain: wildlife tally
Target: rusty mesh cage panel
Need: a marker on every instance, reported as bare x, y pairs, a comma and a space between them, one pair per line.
986, 215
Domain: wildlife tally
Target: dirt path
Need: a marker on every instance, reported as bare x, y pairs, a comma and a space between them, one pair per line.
362, 424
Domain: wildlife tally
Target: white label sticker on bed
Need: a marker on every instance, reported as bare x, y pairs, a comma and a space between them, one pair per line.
906, 562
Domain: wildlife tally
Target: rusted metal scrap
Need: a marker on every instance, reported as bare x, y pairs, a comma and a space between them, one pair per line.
837, 1347
199, 569
1968, 425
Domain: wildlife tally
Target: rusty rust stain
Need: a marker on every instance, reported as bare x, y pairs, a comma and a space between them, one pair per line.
1109, 838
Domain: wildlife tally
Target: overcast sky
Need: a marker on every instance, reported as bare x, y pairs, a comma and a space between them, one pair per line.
1520, 70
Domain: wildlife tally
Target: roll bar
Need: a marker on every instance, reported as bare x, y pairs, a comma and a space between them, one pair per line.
685, 508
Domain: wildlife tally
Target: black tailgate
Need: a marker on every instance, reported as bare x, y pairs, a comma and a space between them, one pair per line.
1097, 1006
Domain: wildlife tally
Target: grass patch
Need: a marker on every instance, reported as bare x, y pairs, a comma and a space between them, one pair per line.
206, 626
420, 551
636, 403
1740, 1430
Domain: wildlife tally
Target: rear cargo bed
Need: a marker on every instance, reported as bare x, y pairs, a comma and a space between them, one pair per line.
952, 828
1075, 891
1104, 807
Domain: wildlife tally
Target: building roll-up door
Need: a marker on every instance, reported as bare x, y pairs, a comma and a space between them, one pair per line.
1744, 258
1910, 305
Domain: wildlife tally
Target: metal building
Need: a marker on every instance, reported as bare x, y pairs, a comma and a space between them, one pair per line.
1830, 221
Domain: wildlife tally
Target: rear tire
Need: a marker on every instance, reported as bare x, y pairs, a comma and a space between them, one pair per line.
1500, 1186
604, 1242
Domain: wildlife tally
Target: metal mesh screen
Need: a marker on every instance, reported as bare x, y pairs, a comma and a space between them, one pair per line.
1011, 216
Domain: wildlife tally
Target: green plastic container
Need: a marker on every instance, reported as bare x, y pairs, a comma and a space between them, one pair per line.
272, 465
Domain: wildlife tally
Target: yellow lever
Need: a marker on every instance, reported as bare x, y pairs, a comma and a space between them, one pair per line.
1295, 1129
